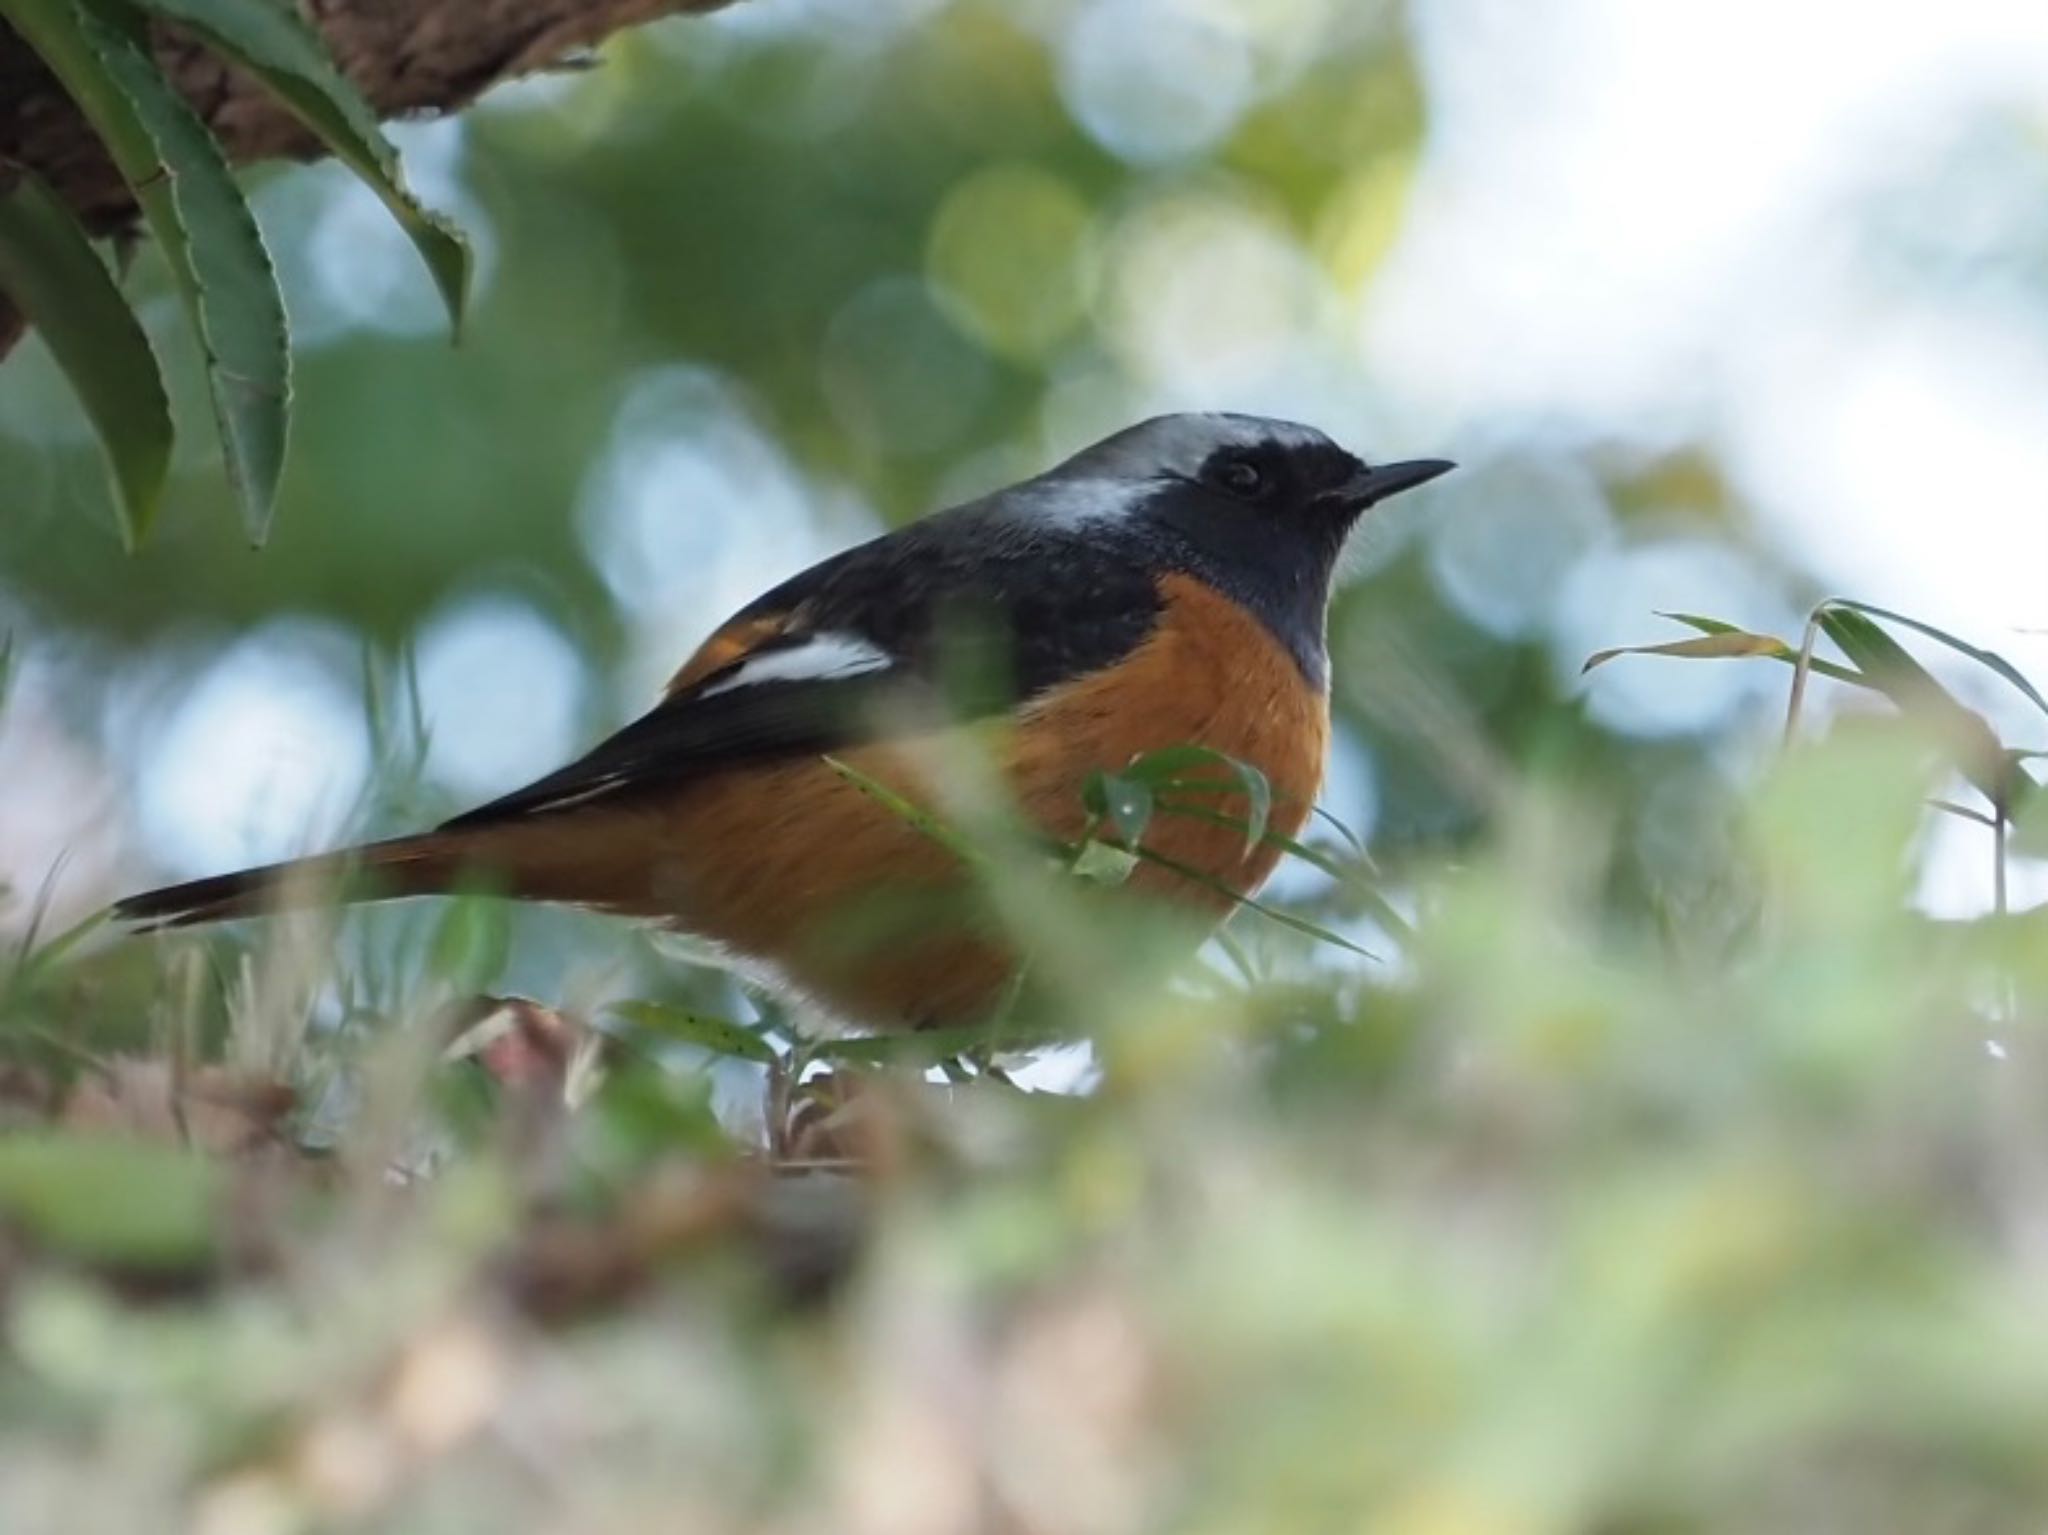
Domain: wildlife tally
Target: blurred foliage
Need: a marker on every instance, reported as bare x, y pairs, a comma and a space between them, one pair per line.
1552, 1225
1668, 1170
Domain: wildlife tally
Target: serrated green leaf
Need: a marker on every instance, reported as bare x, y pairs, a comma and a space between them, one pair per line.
274, 43
105, 1200
199, 217
720, 1036
50, 270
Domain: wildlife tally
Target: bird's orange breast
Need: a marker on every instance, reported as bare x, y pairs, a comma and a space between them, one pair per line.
794, 866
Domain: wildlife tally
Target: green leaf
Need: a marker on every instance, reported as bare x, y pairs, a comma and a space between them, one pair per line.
1124, 802
209, 238
1729, 644
930, 1047
472, 943
1786, 653
1100, 863
720, 1036
275, 45
1991, 660
1351, 879
919, 820
1892, 669
1351, 838
50, 270
105, 1200
1163, 769
1270, 913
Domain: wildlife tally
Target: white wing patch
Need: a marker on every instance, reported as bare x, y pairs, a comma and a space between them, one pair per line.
820, 657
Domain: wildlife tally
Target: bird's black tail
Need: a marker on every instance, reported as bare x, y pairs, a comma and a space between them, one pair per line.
380, 871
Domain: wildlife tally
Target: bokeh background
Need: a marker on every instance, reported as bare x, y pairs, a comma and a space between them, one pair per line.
1722, 306
1678, 1169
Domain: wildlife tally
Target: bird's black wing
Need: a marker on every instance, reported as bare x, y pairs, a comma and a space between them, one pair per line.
960, 613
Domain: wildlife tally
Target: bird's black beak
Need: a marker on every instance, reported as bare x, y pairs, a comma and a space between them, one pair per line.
1372, 485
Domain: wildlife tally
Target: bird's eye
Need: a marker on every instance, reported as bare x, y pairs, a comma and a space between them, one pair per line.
1239, 476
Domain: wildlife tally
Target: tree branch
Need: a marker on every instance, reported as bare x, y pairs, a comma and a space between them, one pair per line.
409, 57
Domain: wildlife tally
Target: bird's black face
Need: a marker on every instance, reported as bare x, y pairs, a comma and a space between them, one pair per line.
1261, 509
1294, 487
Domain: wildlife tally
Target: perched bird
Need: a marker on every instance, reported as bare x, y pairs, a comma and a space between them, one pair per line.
1165, 586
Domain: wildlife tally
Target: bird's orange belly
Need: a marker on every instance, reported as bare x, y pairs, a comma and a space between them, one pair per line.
852, 906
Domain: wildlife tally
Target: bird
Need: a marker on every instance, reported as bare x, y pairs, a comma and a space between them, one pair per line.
1167, 586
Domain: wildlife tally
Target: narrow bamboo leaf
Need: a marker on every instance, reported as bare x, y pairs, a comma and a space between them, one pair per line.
289, 58
1728, 645
720, 1036
1963, 813
1162, 769
197, 213
1125, 802
50, 270
1270, 913
1989, 659
1785, 653
1351, 879
1888, 664
897, 805
1351, 838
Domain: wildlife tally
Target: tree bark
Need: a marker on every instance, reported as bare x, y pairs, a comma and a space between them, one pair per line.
411, 58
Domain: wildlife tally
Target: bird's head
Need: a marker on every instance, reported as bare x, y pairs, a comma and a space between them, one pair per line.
1257, 507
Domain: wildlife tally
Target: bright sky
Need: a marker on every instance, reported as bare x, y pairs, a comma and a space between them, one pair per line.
1791, 222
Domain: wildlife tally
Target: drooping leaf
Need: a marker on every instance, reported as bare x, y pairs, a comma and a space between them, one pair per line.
1893, 670
1786, 653
1165, 768
1270, 913
1125, 802
1991, 660
918, 819
50, 270
720, 1036
289, 58
1377, 905
199, 217
1727, 645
